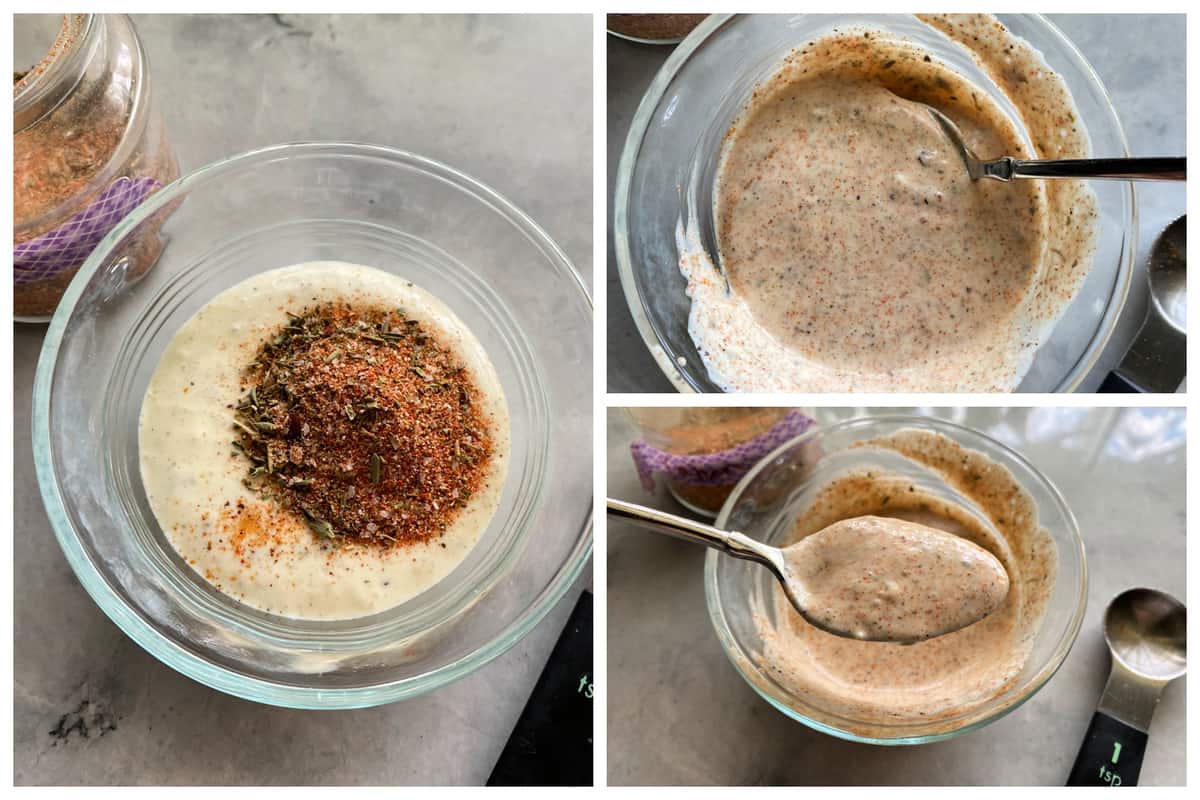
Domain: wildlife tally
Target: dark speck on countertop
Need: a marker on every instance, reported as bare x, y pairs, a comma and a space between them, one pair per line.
89, 720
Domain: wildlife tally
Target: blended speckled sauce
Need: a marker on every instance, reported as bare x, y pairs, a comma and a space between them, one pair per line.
887, 579
877, 683
247, 546
859, 255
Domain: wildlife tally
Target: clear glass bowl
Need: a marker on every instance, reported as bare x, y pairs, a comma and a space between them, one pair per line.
668, 165
775, 492
498, 271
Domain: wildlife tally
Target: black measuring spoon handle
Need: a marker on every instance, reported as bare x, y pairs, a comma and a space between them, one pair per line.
1116, 384
1111, 754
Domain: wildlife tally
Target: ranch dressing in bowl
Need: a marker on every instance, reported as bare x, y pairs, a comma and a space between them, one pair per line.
855, 252
877, 683
247, 546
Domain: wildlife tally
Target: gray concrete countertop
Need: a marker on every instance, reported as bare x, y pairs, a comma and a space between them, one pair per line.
1140, 59
679, 713
507, 99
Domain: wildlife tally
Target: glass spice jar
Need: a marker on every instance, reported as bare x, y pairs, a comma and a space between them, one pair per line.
702, 485
88, 147
653, 28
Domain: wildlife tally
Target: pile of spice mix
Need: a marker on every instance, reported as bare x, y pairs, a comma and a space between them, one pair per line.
360, 420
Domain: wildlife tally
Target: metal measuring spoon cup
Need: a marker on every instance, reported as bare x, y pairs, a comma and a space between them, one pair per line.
1146, 631
1157, 359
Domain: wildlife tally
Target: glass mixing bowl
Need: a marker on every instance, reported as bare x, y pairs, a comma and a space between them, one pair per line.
776, 491
446, 232
668, 165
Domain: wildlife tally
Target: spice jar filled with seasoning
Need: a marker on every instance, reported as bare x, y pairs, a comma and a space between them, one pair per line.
653, 28
702, 453
88, 147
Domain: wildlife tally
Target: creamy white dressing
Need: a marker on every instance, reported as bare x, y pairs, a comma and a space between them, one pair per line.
263, 557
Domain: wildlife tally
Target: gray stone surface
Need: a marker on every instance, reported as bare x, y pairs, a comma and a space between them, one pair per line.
506, 99
1140, 59
678, 712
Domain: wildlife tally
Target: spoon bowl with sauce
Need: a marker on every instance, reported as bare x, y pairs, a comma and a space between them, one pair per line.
869, 578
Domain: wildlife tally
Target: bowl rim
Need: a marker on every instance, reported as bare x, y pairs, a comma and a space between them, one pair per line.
1047, 671
640, 123
169, 652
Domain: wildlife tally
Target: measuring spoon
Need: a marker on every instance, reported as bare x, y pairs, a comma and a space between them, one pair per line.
1157, 359
870, 578
1146, 631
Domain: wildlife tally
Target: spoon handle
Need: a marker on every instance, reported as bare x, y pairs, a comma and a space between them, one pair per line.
1123, 169
1111, 754
731, 542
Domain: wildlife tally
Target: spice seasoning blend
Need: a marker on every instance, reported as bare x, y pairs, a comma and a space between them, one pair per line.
88, 147
362, 421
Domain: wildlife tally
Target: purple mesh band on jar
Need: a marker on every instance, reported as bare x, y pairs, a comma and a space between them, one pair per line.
68, 246
723, 468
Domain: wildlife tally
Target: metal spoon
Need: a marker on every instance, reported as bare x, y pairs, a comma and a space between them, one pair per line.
1008, 168
1157, 359
840, 591
1146, 631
